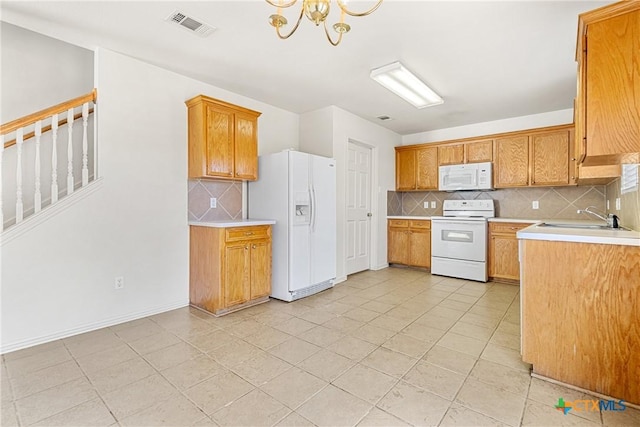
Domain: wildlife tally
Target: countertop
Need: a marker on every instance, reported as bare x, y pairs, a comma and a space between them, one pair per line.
580, 235
518, 220
233, 223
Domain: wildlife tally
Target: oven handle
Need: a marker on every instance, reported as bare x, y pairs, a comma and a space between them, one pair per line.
447, 222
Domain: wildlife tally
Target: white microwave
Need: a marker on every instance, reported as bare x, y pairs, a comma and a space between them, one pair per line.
471, 176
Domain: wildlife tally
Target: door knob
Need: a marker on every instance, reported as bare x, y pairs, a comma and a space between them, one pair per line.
369, 214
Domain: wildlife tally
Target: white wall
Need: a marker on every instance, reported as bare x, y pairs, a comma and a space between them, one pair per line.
349, 127
58, 278
38, 71
551, 118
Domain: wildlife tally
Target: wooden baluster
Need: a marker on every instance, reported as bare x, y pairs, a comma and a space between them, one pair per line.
85, 154
37, 196
70, 182
19, 205
1, 207
54, 159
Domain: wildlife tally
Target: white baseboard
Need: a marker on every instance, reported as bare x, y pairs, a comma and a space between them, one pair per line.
340, 280
50, 211
381, 267
19, 345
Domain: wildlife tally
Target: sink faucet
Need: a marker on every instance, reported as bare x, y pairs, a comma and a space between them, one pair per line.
611, 219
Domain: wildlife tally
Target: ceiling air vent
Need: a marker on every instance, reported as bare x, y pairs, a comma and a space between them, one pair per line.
190, 24
384, 118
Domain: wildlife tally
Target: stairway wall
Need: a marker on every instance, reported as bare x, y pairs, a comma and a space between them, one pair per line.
58, 278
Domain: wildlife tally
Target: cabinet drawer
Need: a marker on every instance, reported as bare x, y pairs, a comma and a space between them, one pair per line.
398, 223
423, 224
507, 227
234, 234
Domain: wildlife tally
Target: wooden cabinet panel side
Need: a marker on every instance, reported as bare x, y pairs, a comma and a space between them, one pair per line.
205, 268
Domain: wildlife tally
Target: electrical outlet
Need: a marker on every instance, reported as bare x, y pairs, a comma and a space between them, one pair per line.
433, 205
535, 204
119, 283
618, 203
213, 202
425, 205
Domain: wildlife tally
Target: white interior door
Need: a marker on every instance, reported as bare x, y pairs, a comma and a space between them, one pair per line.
358, 208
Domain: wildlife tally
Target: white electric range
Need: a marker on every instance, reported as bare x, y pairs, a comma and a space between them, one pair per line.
459, 244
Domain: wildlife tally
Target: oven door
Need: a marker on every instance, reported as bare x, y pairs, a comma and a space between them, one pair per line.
459, 239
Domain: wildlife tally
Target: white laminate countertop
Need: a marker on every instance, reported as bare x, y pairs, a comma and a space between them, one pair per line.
233, 223
580, 235
518, 220
407, 217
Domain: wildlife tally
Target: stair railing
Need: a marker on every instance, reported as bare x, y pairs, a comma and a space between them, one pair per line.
34, 126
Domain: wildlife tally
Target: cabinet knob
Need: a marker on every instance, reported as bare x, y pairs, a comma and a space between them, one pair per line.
248, 233
253, 246
246, 248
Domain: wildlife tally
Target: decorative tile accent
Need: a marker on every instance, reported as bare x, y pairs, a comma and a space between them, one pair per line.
229, 203
555, 202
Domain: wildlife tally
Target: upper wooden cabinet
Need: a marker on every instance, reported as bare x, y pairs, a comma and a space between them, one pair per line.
608, 117
223, 140
416, 168
550, 158
478, 151
450, 154
427, 168
535, 157
511, 157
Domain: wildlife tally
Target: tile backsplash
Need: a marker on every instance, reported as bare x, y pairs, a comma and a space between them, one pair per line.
554, 202
629, 212
227, 193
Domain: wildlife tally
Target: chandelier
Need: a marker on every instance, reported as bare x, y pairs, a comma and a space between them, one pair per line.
316, 11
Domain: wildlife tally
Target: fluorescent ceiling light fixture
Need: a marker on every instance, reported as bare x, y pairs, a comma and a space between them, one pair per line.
403, 83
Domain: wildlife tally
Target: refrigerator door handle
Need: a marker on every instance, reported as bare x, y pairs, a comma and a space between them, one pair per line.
313, 208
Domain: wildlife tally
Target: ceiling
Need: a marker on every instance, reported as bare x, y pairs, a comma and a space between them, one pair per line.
488, 60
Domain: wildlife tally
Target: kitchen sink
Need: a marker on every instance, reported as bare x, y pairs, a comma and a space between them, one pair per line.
582, 226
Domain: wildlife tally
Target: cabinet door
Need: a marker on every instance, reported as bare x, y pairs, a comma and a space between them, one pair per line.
398, 245
450, 154
427, 168
220, 129
405, 170
503, 257
236, 274
550, 158
613, 89
260, 269
478, 151
511, 162
420, 248
246, 147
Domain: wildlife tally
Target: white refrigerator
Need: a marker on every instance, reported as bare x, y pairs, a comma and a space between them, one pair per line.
298, 190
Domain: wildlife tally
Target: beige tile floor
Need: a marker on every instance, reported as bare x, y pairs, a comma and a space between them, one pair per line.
395, 347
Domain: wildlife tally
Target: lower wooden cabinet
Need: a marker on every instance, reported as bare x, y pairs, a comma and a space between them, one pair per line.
409, 242
230, 268
503, 251
580, 305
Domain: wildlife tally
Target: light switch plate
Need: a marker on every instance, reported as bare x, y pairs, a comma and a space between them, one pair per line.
617, 203
213, 202
608, 204
535, 204
433, 205
425, 205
